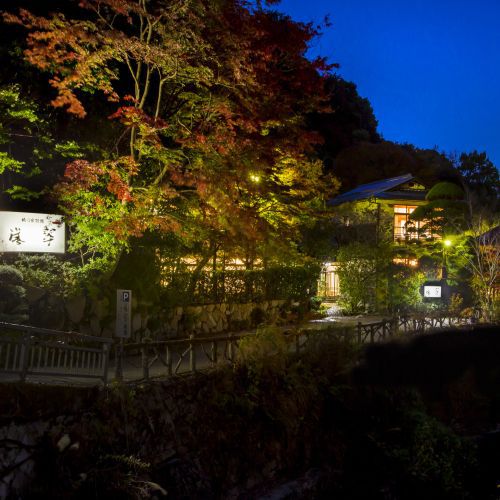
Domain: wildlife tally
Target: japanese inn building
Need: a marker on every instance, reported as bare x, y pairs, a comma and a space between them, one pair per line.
398, 197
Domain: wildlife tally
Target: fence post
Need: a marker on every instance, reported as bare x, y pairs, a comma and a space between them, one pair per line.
214, 352
105, 356
230, 348
168, 356
145, 361
119, 361
359, 332
24, 356
192, 354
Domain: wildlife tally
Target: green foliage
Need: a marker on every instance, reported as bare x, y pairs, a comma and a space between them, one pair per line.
13, 305
444, 212
188, 122
296, 283
455, 306
362, 276
23, 140
404, 289
257, 316
266, 350
22, 193
445, 191
10, 276
316, 303
480, 175
53, 274
9, 163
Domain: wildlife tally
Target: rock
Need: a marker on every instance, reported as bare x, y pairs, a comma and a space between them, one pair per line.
34, 293
64, 442
211, 322
75, 308
95, 326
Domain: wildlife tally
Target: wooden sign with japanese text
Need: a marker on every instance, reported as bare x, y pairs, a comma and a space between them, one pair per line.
28, 232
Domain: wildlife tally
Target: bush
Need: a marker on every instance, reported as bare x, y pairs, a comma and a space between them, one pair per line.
51, 273
13, 304
257, 316
404, 290
296, 283
361, 271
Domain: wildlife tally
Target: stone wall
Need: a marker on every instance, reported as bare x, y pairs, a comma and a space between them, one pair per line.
96, 316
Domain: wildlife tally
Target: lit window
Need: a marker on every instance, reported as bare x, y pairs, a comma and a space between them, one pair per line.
405, 229
329, 281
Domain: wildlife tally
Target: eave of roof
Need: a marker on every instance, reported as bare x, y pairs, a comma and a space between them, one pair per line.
378, 189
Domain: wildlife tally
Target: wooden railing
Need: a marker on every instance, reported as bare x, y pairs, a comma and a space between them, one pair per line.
174, 357
144, 360
412, 325
26, 351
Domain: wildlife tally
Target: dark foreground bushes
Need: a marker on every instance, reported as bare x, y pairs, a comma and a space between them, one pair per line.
375, 426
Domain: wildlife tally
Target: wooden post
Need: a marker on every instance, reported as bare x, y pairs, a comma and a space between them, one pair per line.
145, 361
230, 348
192, 354
24, 357
168, 356
214, 352
105, 355
394, 326
119, 361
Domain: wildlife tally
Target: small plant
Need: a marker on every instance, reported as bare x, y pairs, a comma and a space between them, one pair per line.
255, 350
456, 305
316, 303
257, 316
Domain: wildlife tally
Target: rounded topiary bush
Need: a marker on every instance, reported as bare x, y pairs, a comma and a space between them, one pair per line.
13, 303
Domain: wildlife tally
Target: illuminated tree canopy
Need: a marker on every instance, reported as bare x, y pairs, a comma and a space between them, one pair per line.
206, 106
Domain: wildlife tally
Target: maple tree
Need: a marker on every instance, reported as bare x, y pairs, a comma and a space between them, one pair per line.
210, 105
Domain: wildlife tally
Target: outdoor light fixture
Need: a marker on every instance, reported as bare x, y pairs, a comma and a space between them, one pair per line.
255, 178
447, 243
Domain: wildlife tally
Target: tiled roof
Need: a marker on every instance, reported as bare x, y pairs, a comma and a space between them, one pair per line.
378, 189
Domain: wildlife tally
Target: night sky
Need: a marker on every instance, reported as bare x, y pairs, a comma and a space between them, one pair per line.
430, 68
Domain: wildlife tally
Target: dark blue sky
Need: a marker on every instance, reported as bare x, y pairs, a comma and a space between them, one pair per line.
430, 68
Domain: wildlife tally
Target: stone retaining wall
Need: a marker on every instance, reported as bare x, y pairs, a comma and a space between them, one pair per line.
96, 316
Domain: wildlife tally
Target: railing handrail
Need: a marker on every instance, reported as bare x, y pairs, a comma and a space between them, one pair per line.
185, 340
47, 331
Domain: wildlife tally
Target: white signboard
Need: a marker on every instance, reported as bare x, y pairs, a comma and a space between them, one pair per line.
27, 232
433, 291
123, 313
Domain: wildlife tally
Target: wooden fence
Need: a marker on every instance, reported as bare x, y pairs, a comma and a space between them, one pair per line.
26, 350
145, 360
